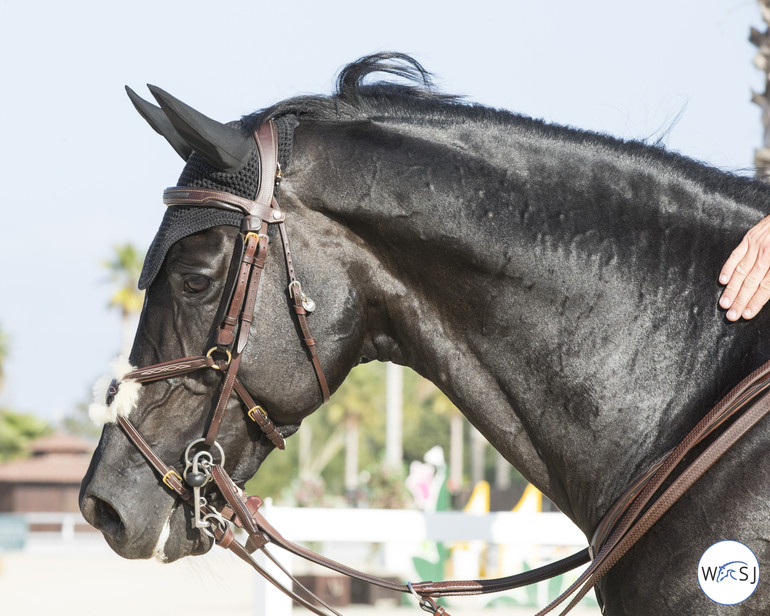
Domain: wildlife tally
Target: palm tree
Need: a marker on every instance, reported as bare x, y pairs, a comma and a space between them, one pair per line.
125, 268
394, 415
356, 402
437, 402
762, 61
16, 429
3, 354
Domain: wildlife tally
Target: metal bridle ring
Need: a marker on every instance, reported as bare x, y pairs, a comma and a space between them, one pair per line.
203, 440
426, 603
212, 350
214, 518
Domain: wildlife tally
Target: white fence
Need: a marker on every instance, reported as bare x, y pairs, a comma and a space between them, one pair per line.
388, 525
398, 530
393, 527
67, 522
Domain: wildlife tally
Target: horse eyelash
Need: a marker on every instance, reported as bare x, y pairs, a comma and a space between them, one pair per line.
187, 288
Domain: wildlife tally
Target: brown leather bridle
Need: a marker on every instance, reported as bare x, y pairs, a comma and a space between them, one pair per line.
634, 513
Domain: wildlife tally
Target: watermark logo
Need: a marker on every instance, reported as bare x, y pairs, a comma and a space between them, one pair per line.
728, 572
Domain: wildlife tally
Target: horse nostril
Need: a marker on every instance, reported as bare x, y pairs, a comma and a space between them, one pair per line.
102, 516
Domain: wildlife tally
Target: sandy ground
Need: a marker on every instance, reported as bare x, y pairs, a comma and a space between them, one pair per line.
89, 579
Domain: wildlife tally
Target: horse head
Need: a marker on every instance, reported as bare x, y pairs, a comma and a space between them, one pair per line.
191, 273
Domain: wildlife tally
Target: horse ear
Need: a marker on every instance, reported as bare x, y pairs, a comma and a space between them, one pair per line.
223, 147
160, 124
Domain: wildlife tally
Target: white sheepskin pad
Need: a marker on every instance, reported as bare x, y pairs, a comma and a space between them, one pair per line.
125, 400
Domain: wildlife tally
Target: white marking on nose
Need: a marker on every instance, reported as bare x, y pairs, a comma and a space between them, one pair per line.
158, 553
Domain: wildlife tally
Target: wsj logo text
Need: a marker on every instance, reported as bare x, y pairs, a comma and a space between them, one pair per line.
736, 570
728, 572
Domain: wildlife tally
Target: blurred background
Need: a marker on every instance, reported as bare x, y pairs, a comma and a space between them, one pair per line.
82, 176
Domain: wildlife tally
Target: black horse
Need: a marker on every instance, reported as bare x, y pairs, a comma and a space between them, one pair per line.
559, 286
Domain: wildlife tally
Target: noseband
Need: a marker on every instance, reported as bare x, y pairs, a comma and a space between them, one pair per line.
634, 513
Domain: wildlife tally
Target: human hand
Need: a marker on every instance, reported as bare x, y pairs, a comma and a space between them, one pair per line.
746, 274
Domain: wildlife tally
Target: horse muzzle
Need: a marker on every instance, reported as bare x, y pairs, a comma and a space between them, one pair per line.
122, 497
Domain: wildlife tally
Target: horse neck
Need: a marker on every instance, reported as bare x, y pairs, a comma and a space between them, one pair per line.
562, 303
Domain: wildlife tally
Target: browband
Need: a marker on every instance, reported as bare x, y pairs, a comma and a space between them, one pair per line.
264, 206
204, 197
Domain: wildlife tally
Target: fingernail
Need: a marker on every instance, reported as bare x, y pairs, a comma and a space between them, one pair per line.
723, 279
747, 313
725, 302
732, 315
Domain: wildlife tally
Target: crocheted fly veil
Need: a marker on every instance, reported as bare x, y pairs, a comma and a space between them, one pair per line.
181, 221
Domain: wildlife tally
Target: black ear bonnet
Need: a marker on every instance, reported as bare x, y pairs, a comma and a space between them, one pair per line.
180, 221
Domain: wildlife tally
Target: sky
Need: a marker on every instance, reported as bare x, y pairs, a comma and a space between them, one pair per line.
81, 172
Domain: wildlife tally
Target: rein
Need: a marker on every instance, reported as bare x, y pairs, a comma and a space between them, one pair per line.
634, 513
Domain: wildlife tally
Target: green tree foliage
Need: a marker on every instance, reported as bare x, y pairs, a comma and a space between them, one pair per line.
426, 417
16, 429
80, 424
16, 432
311, 469
361, 397
125, 266
4, 346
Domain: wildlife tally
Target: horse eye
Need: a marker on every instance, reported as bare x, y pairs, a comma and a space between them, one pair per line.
196, 284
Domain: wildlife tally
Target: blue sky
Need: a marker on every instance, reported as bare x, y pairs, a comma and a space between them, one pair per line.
81, 172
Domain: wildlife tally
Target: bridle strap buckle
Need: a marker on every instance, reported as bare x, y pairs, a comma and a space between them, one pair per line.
172, 473
252, 413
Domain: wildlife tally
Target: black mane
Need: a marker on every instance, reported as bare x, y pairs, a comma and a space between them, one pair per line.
416, 97
355, 100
